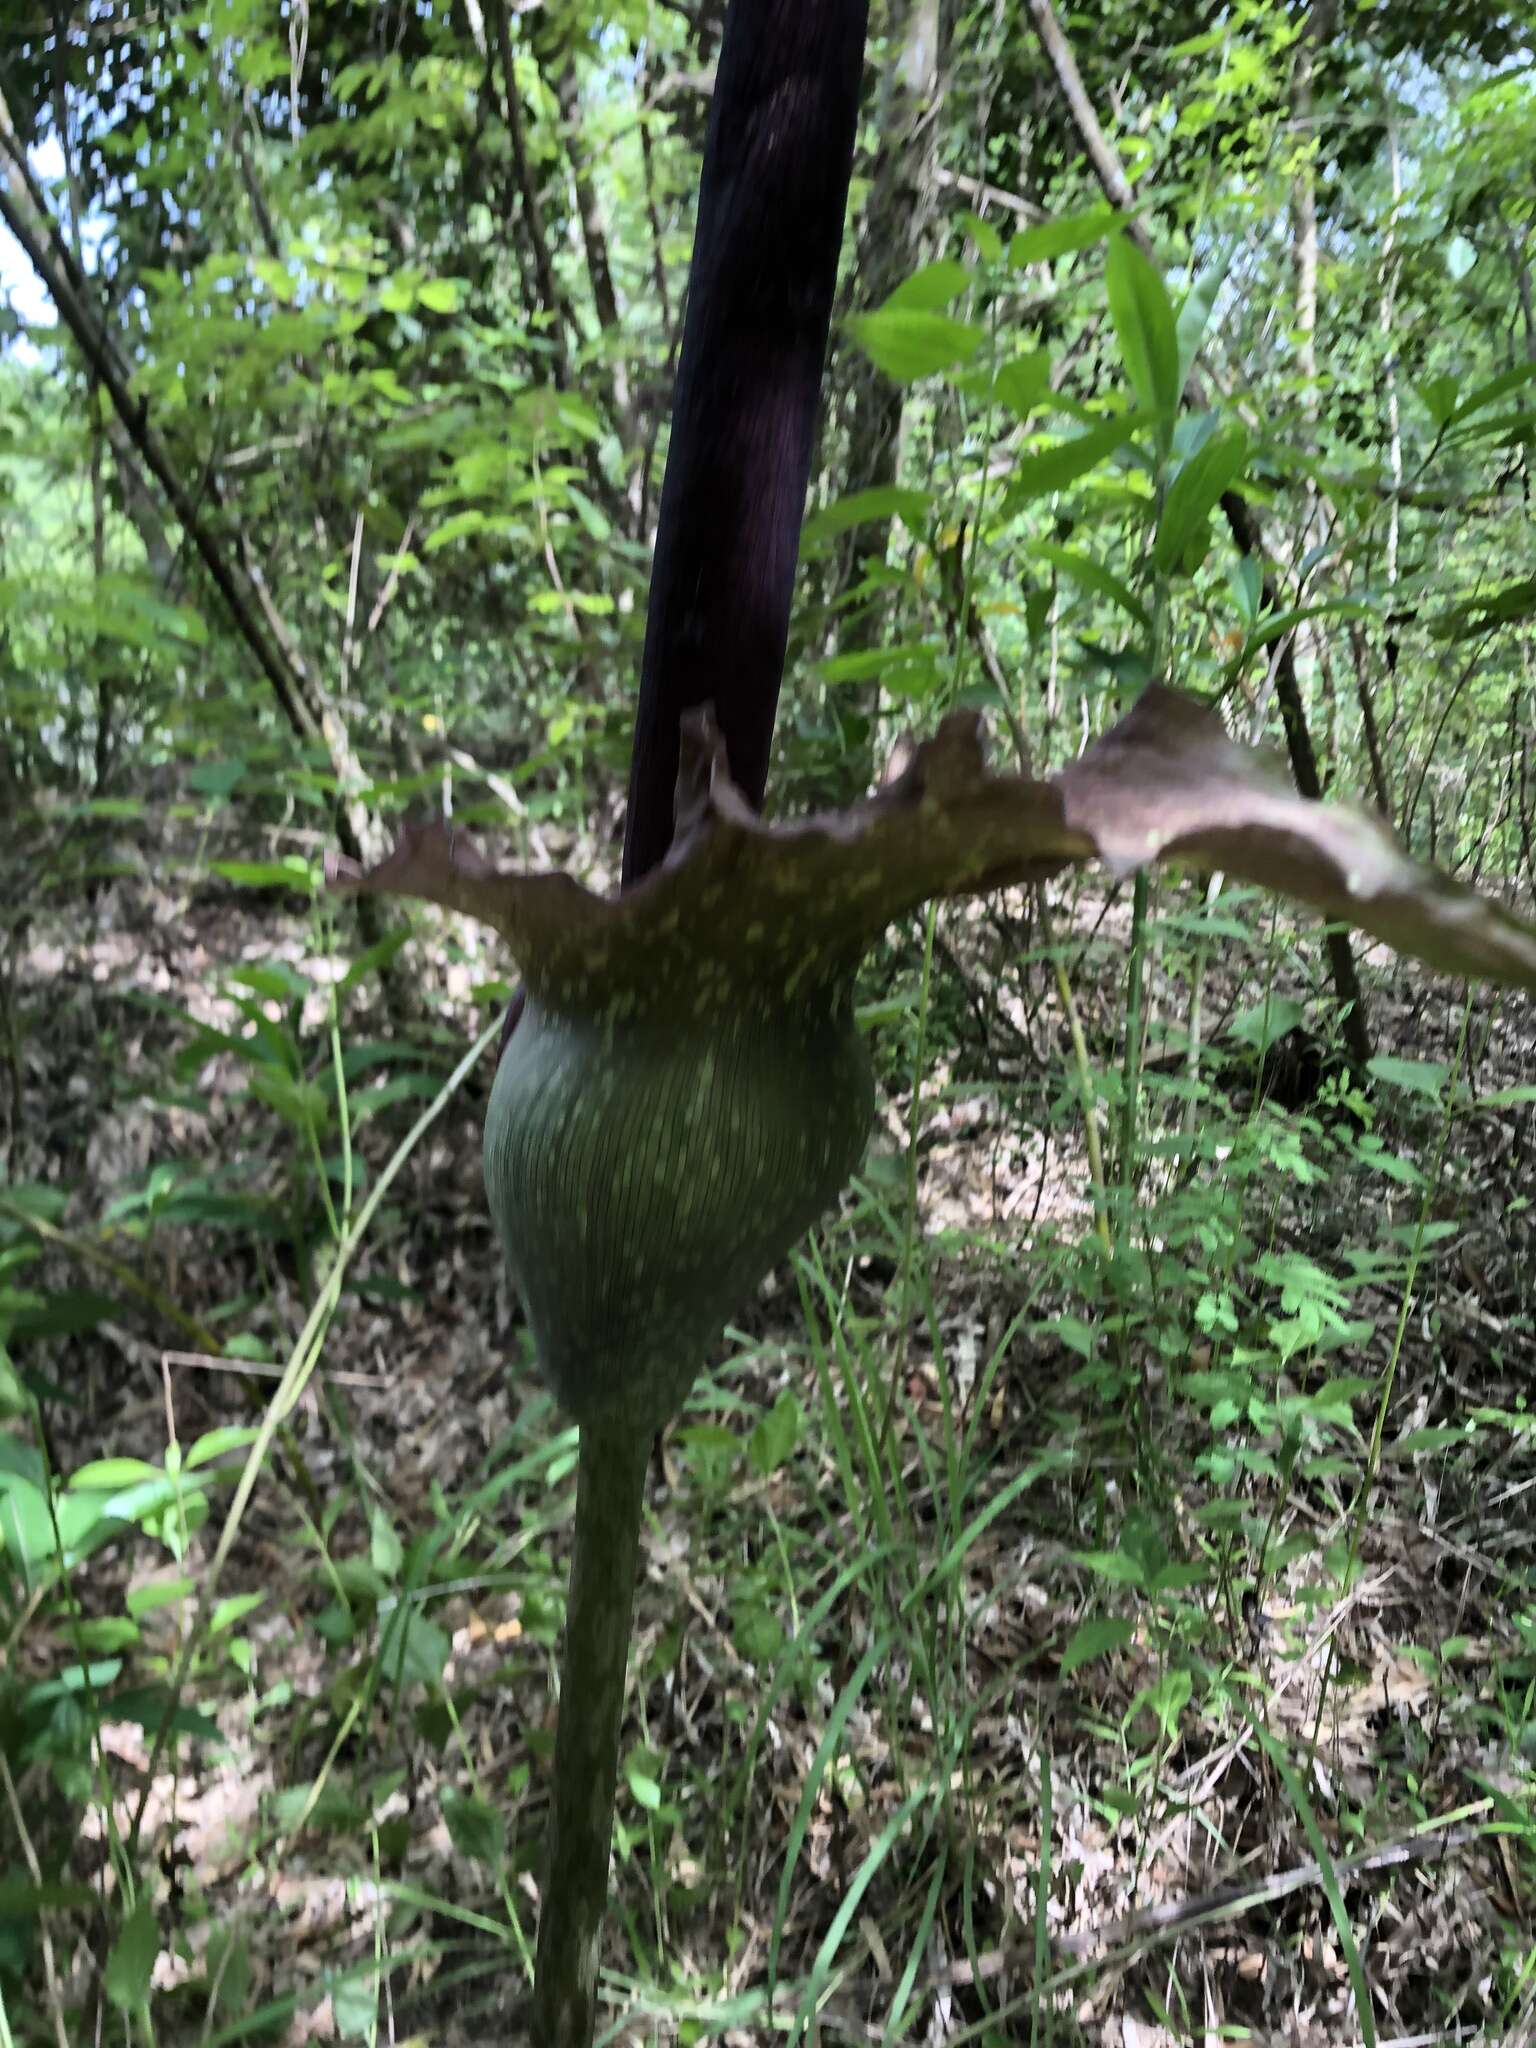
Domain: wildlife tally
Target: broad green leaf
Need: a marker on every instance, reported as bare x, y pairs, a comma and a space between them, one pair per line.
1439, 397
385, 1550
306, 1105
1495, 429
125, 610
989, 243
640, 1775
325, 1806
131, 1963
218, 1442
1263, 1023
1491, 392
20, 1899
375, 956
476, 1829
1118, 1566
457, 526
1022, 382
233, 1609
291, 873
1478, 615
1095, 1639
154, 1707
1054, 238
592, 517
860, 508
1094, 576
908, 672
1273, 624
106, 1475
413, 1648
1167, 1699
26, 1524
1195, 313
757, 1630
1052, 469
930, 289
1418, 1077
149, 1599
439, 295
217, 778
909, 345
1418, 1441
275, 979
355, 2006
775, 1435
1182, 531
1145, 327
55, 1315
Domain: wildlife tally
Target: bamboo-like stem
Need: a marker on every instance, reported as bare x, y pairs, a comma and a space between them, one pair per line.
610, 1487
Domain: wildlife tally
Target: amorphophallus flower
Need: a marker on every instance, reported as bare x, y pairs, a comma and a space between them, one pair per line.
685, 1090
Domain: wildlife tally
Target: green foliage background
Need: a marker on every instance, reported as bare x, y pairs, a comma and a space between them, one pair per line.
410, 360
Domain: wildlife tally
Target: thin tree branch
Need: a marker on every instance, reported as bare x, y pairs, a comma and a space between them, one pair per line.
25, 211
551, 300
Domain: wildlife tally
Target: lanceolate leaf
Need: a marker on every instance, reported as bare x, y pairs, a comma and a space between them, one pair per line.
907, 345
1145, 325
1094, 576
1195, 312
741, 903
1193, 494
1052, 469
1480, 614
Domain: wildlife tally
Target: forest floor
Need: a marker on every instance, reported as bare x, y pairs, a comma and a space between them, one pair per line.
1021, 1653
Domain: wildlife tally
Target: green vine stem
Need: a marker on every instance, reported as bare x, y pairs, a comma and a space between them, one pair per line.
610, 1489
1134, 999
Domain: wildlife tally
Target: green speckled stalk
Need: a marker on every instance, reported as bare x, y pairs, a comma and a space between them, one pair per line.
609, 1491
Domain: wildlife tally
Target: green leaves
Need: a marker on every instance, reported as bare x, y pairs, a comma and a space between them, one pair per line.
1478, 615
476, 1829
1022, 382
859, 508
1095, 1638
1145, 328
132, 1961
1052, 239
1052, 469
908, 345
1183, 538
1195, 314
930, 289
774, 1438
1092, 575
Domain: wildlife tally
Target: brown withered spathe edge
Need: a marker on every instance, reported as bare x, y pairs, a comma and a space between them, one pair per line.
739, 901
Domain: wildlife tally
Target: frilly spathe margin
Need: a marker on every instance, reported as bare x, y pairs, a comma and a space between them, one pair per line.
741, 904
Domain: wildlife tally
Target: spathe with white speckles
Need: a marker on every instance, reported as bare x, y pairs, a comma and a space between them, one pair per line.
740, 902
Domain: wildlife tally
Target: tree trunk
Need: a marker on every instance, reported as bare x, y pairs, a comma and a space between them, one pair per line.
902, 198
1298, 741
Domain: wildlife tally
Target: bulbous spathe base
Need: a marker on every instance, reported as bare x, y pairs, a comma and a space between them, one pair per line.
645, 1175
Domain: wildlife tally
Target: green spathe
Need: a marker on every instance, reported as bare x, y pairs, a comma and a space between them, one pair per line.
645, 1174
